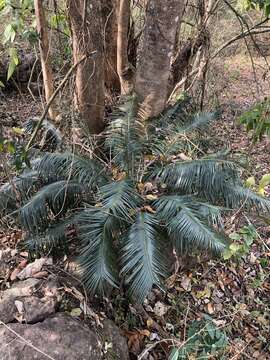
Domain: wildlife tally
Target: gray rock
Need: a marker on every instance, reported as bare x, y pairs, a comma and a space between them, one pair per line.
22, 288
112, 335
32, 308
35, 309
8, 309
60, 338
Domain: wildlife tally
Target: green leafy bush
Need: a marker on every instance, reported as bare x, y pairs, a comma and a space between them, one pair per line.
205, 340
154, 188
243, 240
257, 120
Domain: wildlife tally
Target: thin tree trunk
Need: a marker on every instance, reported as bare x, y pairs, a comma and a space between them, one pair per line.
110, 25
124, 68
86, 27
156, 51
44, 48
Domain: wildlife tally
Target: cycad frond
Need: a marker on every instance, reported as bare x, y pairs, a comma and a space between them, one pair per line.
198, 122
204, 175
175, 114
189, 230
143, 257
20, 189
236, 196
97, 256
74, 167
98, 227
52, 135
120, 198
181, 137
49, 203
168, 206
54, 237
125, 138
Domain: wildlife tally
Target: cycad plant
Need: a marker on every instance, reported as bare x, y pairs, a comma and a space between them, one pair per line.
154, 190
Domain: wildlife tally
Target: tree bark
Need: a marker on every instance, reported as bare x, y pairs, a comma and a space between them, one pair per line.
44, 49
156, 51
110, 25
124, 68
86, 26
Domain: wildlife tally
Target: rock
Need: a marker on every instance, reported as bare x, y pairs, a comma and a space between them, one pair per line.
7, 298
112, 334
5, 258
35, 309
31, 308
22, 288
33, 268
60, 338
7, 309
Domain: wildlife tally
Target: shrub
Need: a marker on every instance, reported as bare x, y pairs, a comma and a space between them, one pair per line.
159, 190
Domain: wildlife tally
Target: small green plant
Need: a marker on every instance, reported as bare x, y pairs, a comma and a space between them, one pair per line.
205, 340
21, 12
260, 188
257, 120
13, 149
155, 189
243, 240
262, 5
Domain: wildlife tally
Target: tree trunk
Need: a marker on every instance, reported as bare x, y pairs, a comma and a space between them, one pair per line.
110, 25
156, 51
86, 27
124, 68
44, 48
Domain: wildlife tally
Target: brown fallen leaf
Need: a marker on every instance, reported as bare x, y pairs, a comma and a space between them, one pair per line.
23, 264
160, 309
135, 339
210, 308
34, 268
149, 322
40, 275
186, 283
151, 197
14, 274
149, 209
184, 157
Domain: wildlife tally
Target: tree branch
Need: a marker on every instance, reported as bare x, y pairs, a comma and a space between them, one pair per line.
47, 107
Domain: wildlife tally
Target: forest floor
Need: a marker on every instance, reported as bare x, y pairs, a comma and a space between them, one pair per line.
208, 304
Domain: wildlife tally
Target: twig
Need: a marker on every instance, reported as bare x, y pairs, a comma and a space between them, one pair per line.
46, 109
31, 76
181, 344
255, 30
25, 341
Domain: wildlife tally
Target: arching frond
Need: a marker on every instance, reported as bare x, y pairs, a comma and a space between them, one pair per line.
120, 198
125, 138
70, 166
168, 206
143, 258
52, 238
199, 122
189, 230
236, 196
173, 136
204, 175
174, 114
49, 203
97, 255
18, 190
98, 227
52, 136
